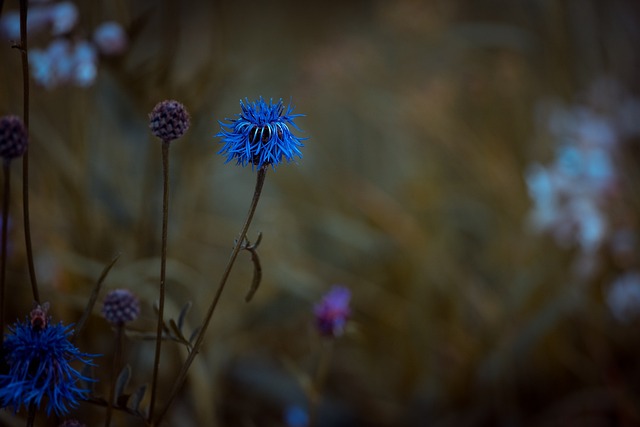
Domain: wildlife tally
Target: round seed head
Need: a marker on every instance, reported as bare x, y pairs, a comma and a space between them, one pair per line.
13, 137
120, 306
169, 120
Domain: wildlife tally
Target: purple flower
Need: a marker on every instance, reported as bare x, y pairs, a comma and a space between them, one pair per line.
333, 311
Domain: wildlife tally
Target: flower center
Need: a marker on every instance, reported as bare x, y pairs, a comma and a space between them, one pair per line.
259, 133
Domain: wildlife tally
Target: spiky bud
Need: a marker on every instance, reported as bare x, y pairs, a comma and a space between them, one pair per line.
121, 306
13, 137
169, 120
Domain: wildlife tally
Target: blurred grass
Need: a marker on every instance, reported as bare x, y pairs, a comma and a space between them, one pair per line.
410, 192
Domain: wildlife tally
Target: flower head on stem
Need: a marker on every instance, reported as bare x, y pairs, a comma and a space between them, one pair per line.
260, 134
39, 356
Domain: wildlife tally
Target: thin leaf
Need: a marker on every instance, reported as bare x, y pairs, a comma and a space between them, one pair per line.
193, 335
176, 330
136, 397
257, 273
93, 298
123, 381
183, 314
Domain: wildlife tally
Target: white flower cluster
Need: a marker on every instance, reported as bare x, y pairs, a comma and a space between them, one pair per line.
67, 59
577, 196
572, 193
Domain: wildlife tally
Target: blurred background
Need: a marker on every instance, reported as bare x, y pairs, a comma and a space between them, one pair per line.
470, 175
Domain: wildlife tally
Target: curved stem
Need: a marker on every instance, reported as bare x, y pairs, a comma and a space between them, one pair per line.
262, 172
25, 157
114, 373
163, 267
3, 257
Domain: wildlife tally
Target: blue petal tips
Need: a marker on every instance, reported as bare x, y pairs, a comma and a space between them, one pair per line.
39, 357
260, 135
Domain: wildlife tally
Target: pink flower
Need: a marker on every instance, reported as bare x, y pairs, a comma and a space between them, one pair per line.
333, 311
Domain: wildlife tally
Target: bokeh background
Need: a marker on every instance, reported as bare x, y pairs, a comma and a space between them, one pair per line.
471, 174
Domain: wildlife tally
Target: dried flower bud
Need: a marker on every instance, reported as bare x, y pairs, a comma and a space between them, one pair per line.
121, 306
39, 316
169, 120
13, 137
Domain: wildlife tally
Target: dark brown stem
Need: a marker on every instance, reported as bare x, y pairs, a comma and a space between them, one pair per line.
31, 415
25, 157
5, 219
163, 267
114, 373
262, 172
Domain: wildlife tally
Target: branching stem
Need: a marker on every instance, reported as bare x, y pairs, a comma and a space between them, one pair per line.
262, 172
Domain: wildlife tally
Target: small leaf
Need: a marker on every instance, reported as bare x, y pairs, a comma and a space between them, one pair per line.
177, 333
194, 334
257, 272
123, 380
136, 397
183, 314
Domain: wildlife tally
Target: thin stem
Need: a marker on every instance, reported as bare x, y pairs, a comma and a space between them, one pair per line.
31, 415
163, 267
114, 373
5, 218
315, 394
262, 172
25, 157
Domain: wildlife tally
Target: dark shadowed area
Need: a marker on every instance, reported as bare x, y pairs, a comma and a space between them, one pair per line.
471, 175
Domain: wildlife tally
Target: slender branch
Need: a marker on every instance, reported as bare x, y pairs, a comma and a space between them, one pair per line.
114, 373
93, 298
5, 218
163, 266
25, 157
262, 172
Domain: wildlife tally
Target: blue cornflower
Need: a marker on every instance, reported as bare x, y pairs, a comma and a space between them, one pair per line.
333, 311
260, 135
39, 355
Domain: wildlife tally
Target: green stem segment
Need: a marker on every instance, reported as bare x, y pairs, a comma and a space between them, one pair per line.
262, 172
25, 157
163, 268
